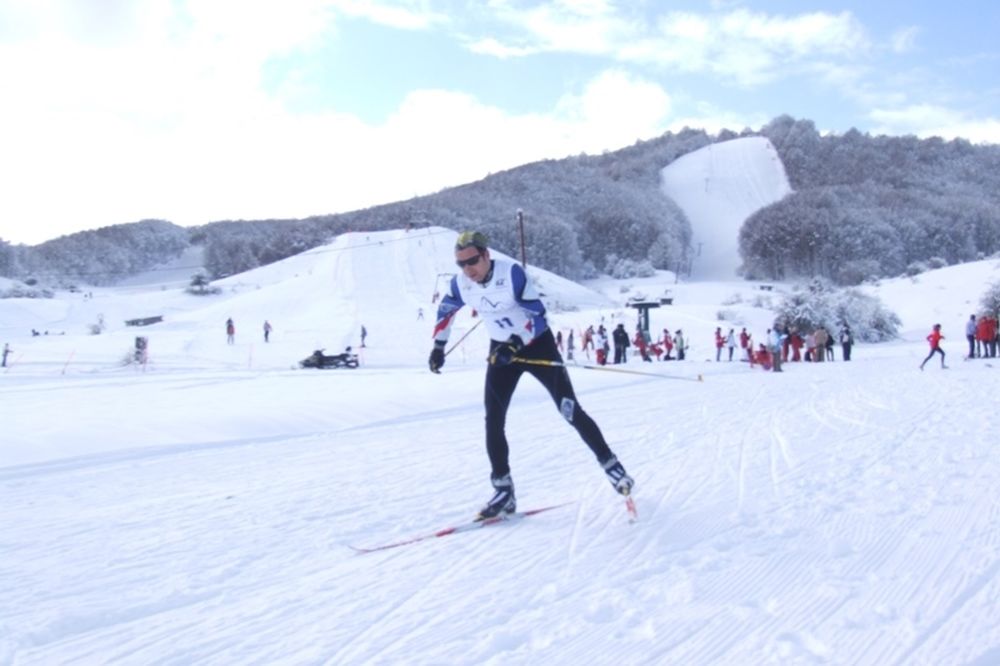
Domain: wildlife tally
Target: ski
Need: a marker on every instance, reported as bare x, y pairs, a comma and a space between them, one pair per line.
633, 513
464, 527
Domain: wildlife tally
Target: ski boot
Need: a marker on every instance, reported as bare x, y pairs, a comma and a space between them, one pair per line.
503, 501
621, 481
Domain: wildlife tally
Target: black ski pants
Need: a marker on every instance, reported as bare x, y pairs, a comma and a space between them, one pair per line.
501, 380
936, 350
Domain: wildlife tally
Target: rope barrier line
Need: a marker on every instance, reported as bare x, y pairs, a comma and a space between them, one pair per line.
556, 364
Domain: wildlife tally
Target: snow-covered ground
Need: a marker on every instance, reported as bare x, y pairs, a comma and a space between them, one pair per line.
199, 510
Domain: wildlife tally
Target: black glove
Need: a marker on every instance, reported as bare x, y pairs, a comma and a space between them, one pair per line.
506, 351
437, 357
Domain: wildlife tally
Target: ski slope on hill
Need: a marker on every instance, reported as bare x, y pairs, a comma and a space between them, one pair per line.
718, 187
201, 510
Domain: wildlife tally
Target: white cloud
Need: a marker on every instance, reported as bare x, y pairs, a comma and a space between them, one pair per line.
616, 109
181, 130
493, 47
753, 48
593, 27
803, 35
440, 138
158, 117
927, 120
748, 47
402, 14
904, 40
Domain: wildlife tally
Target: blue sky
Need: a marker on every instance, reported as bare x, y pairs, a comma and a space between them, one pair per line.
120, 110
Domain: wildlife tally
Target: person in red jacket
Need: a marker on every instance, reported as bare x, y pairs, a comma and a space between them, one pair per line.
668, 345
986, 333
745, 344
935, 339
640, 343
796, 342
720, 341
981, 333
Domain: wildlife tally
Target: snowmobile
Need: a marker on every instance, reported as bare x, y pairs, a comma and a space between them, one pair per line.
320, 360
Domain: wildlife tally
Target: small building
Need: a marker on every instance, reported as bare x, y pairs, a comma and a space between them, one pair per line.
144, 321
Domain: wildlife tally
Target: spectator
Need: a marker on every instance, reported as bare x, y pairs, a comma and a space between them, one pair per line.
267, 330
846, 341
602, 346
986, 333
731, 343
668, 345
230, 331
981, 337
745, 343
970, 335
640, 344
620, 338
762, 356
587, 340
777, 343
821, 339
719, 343
796, 342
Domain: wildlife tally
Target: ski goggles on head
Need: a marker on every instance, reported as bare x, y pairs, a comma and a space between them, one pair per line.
471, 261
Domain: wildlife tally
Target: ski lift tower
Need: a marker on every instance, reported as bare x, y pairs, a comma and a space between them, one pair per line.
643, 306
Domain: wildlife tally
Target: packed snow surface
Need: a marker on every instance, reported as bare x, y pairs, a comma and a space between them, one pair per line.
718, 187
199, 509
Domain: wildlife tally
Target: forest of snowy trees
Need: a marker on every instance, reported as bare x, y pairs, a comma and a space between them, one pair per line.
863, 207
867, 207
101, 256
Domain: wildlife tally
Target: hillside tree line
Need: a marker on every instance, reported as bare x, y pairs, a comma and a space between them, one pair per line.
863, 207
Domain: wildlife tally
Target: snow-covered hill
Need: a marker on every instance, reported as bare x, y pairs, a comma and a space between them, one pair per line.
718, 187
199, 510
935, 297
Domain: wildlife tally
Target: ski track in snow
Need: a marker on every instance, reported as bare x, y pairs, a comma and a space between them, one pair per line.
766, 535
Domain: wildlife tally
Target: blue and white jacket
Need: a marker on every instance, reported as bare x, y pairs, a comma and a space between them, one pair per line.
507, 302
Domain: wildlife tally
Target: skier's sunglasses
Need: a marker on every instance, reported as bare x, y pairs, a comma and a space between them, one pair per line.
471, 261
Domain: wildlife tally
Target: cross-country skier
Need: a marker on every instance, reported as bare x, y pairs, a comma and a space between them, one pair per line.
514, 315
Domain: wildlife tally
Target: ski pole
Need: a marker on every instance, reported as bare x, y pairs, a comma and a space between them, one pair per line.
454, 346
68, 360
557, 364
